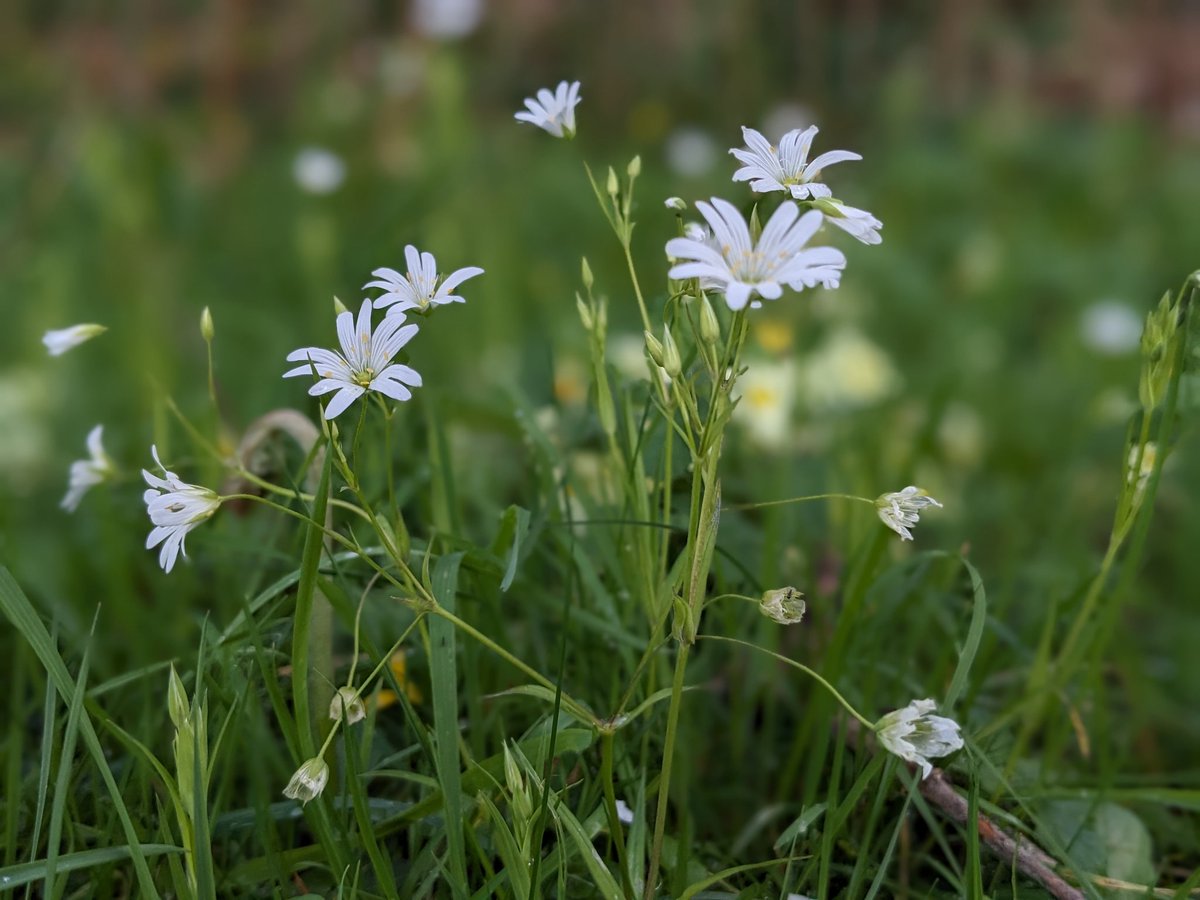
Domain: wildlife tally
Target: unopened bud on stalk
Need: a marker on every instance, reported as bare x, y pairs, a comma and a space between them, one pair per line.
635, 167
675, 203
710, 328
613, 187
671, 362
585, 314
655, 348
585, 272
177, 700
206, 325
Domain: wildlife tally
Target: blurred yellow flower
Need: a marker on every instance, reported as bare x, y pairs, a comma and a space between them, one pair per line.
773, 335
848, 371
387, 697
768, 395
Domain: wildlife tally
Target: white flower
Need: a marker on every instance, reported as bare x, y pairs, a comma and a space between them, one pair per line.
675, 203
419, 288
363, 364
87, 473
175, 508
899, 511
917, 737
1111, 327
858, 223
347, 702
786, 168
555, 112
739, 268
308, 781
446, 19
318, 171
624, 813
784, 605
690, 151
60, 341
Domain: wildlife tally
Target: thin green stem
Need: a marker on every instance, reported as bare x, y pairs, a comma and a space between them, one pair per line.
765, 503
664, 781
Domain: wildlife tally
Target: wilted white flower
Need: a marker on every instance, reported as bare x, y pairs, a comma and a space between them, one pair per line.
318, 171
733, 264
1111, 327
308, 782
365, 363
900, 511
784, 605
347, 702
768, 396
175, 508
61, 340
418, 289
555, 112
917, 737
446, 19
87, 473
786, 167
857, 223
690, 152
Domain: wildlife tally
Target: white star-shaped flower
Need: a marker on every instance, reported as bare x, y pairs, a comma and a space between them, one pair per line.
786, 167
555, 112
419, 288
856, 222
917, 737
365, 363
900, 510
175, 508
740, 268
60, 340
87, 473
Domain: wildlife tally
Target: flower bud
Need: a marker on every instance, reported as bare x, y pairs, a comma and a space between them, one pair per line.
710, 328
177, 700
671, 361
655, 348
346, 702
585, 314
675, 203
206, 325
585, 272
338, 306
308, 781
634, 168
784, 605
613, 187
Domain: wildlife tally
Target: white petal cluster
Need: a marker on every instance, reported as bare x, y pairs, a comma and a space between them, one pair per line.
60, 340
87, 473
740, 268
553, 112
365, 363
175, 508
308, 781
900, 511
786, 167
418, 289
917, 737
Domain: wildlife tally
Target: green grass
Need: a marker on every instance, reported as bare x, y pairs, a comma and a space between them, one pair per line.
541, 500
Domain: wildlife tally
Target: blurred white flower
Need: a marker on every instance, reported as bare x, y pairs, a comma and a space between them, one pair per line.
308, 781
786, 167
768, 395
733, 264
25, 444
858, 223
917, 737
446, 19
784, 605
87, 473
61, 340
900, 511
318, 171
555, 112
175, 508
847, 371
365, 363
1111, 327
690, 152
346, 702
624, 813
787, 116
961, 435
419, 288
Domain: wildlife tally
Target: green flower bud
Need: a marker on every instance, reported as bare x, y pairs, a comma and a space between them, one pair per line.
613, 187
671, 361
710, 328
586, 273
206, 325
655, 349
635, 167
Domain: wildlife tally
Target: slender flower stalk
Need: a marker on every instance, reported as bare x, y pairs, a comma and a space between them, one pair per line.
87, 473
61, 340
365, 363
553, 112
418, 289
175, 508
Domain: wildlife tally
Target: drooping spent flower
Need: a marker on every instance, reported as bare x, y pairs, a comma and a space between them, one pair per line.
59, 341
87, 473
365, 363
346, 702
786, 167
308, 781
175, 508
418, 289
917, 737
900, 511
553, 112
784, 605
740, 268
858, 223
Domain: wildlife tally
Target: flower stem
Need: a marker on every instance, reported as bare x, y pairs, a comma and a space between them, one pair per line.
664, 780
799, 500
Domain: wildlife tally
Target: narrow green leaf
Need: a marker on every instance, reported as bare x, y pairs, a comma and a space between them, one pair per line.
603, 880
25, 873
958, 683
310, 563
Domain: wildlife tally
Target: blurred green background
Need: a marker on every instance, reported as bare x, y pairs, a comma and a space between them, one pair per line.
1035, 166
